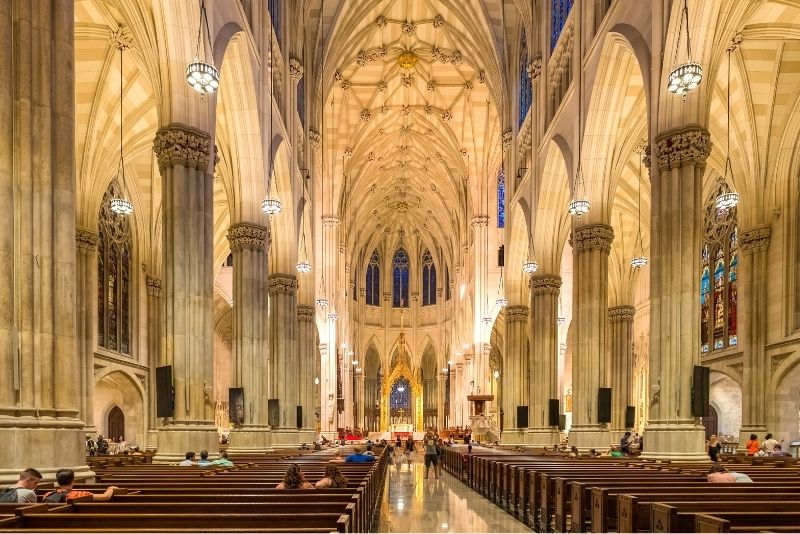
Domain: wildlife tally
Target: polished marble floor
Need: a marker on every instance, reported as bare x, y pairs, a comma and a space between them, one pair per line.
413, 504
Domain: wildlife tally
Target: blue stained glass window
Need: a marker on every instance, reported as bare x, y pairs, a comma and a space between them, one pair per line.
428, 279
561, 9
501, 199
275, 14
525, 88
373, 285
400, 278
399, 397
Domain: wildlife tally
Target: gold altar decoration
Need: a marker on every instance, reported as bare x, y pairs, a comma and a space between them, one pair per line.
402, 369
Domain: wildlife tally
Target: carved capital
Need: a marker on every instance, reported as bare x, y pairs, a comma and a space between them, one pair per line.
646, 156
305, 313
295, 69
480, 221
284, 284
621, 313
331, 221
755, 239
86, 240
683, 146
508, 139
154, 286
545, 284
314, 138
516, 314
248, 236
592, 237
535, 68
178, 144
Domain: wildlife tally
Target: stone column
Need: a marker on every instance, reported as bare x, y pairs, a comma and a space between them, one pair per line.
283, 356
307, 348
329, 418
360, 400
753, 322
676, 221
40, 375
590, 363
543, 363
86, 317
515, 372
184, 154
441, 379
249, 245
621, 319
155, 337
480, 364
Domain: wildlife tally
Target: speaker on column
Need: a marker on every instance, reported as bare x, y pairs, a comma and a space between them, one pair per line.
552, 412
630, 416
604, 405
501, 256
299, 417
700, 385
236, 406
165, 402
273, 412
522, 417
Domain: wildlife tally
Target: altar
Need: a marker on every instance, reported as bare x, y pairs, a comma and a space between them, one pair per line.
401, 428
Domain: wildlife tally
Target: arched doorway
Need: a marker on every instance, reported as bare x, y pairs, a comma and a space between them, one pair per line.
710, 422
116, 422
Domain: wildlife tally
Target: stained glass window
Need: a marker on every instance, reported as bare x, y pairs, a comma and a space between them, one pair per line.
113, 277
399, 397
400, 278
501, 198
719, 263
373, 285
525, 88
561, 9
428, 279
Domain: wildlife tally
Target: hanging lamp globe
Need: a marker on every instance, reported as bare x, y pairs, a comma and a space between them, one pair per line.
501, 302
322, 303
727, 200
333, 316
530, 267
638, 262
303, 267
685, 77
486, 320
121, 206
561, 320
579, 206
202, 77
271, 206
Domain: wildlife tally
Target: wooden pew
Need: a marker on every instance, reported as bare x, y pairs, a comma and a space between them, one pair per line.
684, 518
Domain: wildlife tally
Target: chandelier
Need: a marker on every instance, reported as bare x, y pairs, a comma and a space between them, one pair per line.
501, 301
685, 76
333, 316
119, 204
727, 198
303, 267
486, 320
530, 267
322, 303
639, 260
202, 75
579, 205
271, 206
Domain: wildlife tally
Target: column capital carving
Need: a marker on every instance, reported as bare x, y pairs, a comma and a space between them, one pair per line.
305, 313
154, 286
679, 147
480, 221
179, 144
508, 139
295, 69
331, 221
647, 155
535, 68
621, 313
249, 236
592, 237
755, 239
314, 138
516, 314
285, 284
86, 239
545, 284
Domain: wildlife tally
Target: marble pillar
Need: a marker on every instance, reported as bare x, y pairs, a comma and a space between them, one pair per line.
184, 156
543, 359
249, 245
86, 318
40, 373
329, 372
515, 372
591, 245
306, 352
480, 362
155, 338
441, 380
283, 356
753, 277
671, 432
621, 324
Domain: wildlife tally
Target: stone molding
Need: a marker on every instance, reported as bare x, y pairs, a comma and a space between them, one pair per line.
592, 237
545, 284
305, 313
179, 144
314, 138
755, 239
619, 314
480, 221
331, 221
516, 314
295, 69
683, 146
154, 286
284, 284
248, 236
86, 240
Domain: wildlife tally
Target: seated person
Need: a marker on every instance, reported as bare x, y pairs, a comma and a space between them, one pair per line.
135, 451
337, 458
573, 453
223, 460
189, 459
294, 479
593, 453
24, 491
778, 451
204, 461
333, 478
719, 474
740, 477
65, 478
359, 457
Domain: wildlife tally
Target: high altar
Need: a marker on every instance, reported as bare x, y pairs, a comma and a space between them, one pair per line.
402, 369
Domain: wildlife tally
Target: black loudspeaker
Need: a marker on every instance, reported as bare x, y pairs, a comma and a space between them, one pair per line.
236, 406
522, 417
552, 412
630, 416
273, 412
165, 402
501, 256
604, 405
299, 417
562, 421
700, 385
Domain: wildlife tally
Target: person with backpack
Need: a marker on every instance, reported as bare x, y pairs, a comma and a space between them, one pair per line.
65, 478
24, 491
91, 447
102, 446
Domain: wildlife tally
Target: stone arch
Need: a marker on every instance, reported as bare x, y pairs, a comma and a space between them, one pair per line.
725, 395
117, 387
516, 253
785, 401
283, 249
551, 221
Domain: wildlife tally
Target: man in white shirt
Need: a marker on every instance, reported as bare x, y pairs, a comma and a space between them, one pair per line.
189, 461
25, 488
769, 443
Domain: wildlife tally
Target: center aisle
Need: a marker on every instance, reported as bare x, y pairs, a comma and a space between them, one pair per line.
413, 504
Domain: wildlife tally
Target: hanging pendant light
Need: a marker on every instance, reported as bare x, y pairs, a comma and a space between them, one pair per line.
501, 301
303, 266
530, 266
639, 260
119, 204
728, 198
579, 205
202, 75
686, 76
271, 205
322, 303
333, 316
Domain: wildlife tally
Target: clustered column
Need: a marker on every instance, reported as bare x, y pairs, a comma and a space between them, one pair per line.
480, 364
283, 357
86, 317
515, 371
155, 338
307, 350
543, 363
621, 319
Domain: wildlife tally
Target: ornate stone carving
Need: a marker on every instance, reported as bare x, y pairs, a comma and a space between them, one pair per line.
681, 147
86, 240
409, 28
366, 115
249, 236
516, 314
592, 237
178, 144
380, 22
154, 286
331, 221
295, 69
305, 312
621, 313
508, 139
647, 155
480, 220
121, 38
284, 284
535, 68
314, 138
545, 284
438, 21
755, 239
